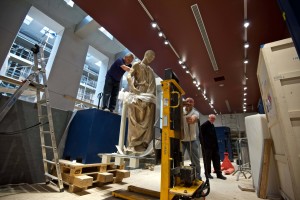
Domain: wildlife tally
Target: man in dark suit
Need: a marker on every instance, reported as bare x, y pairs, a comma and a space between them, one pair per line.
211, 147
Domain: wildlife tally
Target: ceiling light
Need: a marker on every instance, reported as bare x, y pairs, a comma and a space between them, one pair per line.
187, 71
199, 88
245, 110
245, 94
246, 23
246, 45
245, 103
246, 61
153, 24
245, 88
245, 99
183, 66
160, 34
180, 61
166, 42
194, 81
221, 85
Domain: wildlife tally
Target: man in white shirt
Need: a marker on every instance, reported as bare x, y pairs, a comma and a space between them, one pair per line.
189, 141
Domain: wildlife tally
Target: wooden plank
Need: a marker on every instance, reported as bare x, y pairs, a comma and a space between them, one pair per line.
265, 169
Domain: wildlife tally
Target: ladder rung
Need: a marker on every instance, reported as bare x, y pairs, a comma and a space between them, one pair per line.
46, 132
48, 147
37, 85
49, 161
43, 101
51, 176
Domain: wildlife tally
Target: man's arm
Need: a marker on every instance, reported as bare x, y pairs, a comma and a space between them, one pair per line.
125, 68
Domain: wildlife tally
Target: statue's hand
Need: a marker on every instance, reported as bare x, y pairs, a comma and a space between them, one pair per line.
134, 90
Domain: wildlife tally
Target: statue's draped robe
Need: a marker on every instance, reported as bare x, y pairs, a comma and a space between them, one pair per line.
141, 114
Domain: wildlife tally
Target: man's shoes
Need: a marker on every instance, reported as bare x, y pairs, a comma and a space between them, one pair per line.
210, 176
106, 109
220, 176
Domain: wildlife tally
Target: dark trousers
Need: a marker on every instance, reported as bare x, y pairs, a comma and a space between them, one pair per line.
212, 154
110, 93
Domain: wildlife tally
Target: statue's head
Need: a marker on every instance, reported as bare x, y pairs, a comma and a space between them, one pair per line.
149, 56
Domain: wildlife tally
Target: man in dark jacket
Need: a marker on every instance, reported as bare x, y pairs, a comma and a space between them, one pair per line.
112, 81
211, 147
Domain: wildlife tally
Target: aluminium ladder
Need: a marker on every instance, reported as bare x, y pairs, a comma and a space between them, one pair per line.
46, 126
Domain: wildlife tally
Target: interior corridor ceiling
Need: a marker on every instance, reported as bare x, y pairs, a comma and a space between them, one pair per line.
130, 22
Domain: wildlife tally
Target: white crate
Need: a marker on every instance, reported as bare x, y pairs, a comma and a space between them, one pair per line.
279, 81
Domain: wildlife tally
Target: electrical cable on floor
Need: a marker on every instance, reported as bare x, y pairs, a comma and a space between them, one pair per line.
10, 133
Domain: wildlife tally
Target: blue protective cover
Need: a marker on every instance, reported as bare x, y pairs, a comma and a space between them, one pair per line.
92, 131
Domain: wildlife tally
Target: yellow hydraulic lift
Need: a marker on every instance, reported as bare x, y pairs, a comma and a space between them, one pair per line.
177, 181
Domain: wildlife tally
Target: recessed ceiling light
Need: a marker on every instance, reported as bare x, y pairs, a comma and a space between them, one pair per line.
183, 66
245, 99
195, 82
153, 24
187, 71
180, 61
245, 94
246, 23
246, 61
245, 88
246, 45
166, 42
160, 34
221, 85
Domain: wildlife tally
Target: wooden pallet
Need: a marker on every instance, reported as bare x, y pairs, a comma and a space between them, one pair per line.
80, 176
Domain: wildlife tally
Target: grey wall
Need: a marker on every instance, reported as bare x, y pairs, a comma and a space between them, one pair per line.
20, 154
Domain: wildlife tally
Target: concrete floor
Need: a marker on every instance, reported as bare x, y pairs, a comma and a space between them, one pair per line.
220, 189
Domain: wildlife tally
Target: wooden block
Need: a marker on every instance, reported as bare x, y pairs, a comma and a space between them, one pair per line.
118, 180
121, 173
83, 181
105, 177
113, 171
73, 188
121, 166
75, 171
106, 158
67, 178
103, 168
134, 162
119, 161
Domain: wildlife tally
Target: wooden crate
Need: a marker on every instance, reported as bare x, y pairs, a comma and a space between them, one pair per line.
279, 81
